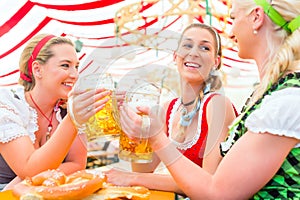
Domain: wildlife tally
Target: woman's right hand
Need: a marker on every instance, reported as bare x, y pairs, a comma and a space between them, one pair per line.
84, 104
147, 125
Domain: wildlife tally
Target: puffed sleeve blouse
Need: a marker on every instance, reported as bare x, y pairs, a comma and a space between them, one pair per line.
279, 114
17, 118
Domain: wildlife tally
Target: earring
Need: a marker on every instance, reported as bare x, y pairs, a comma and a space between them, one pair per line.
255, 32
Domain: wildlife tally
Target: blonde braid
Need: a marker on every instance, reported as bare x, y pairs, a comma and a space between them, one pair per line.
286, 60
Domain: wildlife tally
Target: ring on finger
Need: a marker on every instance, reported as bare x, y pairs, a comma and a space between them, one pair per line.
89, 108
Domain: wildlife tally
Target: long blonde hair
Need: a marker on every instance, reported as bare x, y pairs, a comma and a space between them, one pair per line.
285, 59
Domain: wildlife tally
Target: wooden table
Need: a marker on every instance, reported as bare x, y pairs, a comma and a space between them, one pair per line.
155, 195
7, 195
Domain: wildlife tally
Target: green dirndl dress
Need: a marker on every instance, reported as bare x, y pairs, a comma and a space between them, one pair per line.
286, 183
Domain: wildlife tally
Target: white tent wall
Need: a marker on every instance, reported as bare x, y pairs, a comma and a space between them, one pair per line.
92, 23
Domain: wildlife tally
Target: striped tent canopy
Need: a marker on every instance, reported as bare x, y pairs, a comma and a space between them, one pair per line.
116, 36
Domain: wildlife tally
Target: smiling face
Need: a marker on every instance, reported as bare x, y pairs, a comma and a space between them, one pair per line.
196, 55
60, 72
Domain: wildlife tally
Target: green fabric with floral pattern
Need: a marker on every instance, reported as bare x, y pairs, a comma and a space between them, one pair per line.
286, 183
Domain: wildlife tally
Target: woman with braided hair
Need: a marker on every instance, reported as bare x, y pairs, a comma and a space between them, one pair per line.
262, 152
196, 122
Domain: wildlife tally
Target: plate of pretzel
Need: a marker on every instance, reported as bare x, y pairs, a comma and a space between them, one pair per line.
84, 184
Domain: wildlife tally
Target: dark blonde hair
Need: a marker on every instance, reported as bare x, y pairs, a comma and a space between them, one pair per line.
42, 57
214, 80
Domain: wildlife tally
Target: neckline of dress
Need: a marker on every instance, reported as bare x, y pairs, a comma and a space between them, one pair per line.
188, 144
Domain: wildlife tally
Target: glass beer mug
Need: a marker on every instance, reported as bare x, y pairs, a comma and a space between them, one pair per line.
105, 123
139, 150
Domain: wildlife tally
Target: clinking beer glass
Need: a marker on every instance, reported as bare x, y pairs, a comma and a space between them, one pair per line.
105, 123
139, 150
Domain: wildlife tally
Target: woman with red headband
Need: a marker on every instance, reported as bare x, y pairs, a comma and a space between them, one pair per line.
36, 133
262, 153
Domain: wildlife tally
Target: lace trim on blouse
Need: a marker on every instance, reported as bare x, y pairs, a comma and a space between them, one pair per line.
17, 118
188, 144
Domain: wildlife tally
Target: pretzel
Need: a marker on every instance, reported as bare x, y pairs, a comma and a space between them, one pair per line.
53, 184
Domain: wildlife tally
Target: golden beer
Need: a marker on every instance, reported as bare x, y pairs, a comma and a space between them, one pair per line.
139, 150
105, 122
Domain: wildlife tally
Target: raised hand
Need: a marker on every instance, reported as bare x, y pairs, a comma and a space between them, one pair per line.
84, 104
146, 122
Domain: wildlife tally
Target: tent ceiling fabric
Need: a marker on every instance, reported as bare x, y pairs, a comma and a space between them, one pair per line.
92, 22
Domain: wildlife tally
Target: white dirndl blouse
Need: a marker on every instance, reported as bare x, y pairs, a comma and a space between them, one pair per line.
17, 118
279, 114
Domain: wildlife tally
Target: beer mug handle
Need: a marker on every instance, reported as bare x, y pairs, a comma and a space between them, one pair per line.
79, 126
145, 127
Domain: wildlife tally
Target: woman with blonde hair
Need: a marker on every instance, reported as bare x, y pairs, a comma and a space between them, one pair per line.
35, 133
196, 122
262, 153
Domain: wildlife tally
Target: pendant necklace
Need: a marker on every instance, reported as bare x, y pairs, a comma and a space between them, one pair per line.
49, 128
